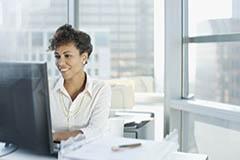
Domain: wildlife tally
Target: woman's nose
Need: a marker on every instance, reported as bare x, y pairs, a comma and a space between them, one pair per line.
60, 61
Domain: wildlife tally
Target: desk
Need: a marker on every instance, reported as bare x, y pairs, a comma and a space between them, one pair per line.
21, 154
187, 156
150, 150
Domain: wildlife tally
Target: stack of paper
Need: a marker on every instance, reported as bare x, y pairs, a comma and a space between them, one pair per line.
100, 149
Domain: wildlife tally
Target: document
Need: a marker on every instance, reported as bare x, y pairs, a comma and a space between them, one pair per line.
101, 149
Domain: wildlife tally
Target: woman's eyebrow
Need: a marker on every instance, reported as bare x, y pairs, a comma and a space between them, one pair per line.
65, 52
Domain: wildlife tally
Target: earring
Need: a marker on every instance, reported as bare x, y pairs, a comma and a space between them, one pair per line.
84, 62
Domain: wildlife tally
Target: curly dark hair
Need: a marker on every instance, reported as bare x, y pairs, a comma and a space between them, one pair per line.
67, 34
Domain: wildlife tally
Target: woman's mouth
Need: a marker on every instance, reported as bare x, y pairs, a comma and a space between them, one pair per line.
63, 69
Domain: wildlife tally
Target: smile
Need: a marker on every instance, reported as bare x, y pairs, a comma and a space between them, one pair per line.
63, 69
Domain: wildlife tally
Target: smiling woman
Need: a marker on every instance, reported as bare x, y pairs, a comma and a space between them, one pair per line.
69, 62
79, 104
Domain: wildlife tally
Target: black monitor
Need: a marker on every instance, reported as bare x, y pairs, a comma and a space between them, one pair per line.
25, 119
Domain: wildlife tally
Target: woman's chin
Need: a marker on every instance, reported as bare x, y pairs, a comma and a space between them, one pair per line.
65, 76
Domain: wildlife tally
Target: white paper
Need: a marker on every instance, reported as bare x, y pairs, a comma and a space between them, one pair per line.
101, 150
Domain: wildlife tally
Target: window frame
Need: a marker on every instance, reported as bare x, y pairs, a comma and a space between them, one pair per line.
177, 96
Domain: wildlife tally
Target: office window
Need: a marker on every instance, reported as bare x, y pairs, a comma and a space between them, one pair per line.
37, 39
203, 60
213, 17
126, 49
212, 46
25, 27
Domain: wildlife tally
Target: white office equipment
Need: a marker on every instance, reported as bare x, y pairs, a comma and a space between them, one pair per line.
137, 124
116, 126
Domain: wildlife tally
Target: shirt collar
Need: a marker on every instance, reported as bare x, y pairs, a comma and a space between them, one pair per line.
60, 87
89, 85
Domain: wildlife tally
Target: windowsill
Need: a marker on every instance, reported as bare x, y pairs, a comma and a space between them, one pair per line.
218, 110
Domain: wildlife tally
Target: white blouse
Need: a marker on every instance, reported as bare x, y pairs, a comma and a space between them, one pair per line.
88, 112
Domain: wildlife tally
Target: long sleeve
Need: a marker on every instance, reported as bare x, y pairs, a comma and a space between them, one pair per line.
98, 123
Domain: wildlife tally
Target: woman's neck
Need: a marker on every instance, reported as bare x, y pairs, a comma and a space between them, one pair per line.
75, 85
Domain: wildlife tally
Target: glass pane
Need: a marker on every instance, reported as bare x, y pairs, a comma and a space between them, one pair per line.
213, 17
123, 38
25, 27
210, 135
215, 71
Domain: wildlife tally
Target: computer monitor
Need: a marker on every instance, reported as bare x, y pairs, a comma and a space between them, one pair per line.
24, 107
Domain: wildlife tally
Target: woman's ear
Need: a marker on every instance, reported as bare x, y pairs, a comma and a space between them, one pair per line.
84, 57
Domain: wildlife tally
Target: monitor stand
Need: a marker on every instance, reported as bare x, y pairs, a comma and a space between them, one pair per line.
7, 148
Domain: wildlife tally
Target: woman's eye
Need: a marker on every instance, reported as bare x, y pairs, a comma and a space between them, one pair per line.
67, 55
56, 56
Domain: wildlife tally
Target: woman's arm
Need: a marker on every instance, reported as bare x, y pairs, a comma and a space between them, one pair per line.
64, 135
98, 123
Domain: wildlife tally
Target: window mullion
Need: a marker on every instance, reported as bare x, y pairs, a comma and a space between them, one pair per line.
212, 38
185, 74
73, 13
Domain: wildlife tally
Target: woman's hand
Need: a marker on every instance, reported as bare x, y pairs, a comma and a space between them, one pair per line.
58, 136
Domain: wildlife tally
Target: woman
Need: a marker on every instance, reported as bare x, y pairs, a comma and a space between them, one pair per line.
79, 104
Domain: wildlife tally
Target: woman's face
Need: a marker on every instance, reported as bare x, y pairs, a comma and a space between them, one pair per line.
69, 61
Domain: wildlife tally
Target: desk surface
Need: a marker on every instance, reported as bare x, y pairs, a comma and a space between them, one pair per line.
21, 154
149, 150
187, 156
100, 149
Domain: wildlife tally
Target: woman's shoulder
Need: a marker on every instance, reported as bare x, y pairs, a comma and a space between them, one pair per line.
99, 84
